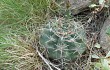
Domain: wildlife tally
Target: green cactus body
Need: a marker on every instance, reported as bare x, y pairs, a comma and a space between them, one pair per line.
63, 39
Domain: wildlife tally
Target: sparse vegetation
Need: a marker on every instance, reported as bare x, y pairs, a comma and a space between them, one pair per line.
21, 24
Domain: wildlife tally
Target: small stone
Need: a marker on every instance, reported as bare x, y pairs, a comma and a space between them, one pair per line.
104, 38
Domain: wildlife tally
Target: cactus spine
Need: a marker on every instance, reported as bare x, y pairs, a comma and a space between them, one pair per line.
64, 39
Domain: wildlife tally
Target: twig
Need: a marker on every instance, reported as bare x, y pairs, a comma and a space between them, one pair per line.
46, 61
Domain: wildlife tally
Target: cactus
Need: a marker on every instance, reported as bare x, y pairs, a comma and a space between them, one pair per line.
64, 39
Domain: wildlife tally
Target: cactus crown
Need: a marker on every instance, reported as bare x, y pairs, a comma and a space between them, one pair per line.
64, 39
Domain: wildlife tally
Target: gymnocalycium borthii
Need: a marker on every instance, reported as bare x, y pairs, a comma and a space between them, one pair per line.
64, 39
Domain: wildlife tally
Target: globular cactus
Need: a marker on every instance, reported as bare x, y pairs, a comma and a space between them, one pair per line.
64, 39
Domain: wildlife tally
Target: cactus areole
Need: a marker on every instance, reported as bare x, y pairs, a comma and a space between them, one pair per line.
63, 39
